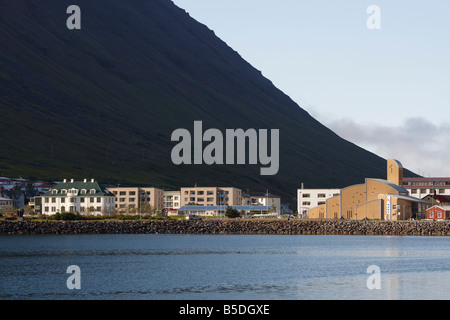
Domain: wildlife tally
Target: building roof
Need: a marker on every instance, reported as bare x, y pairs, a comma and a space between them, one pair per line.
439, 197
259, 195
79, 185
446, 208
412, 199
398, 188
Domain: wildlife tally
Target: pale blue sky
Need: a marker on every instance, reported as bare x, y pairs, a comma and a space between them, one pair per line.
324, 57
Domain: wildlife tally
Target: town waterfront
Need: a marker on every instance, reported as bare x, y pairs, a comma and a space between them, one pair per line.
223, 267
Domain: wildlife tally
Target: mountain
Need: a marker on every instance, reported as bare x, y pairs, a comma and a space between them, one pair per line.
103, 101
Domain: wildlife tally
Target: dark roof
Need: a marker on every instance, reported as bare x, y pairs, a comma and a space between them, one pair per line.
79, 185
439, 197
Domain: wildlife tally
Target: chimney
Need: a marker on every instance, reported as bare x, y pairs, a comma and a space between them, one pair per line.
85, 180
92, 180
65, 180
71, 180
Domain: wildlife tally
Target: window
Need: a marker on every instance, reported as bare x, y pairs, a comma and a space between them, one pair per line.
63, 200
47, 209
431, 214
92, 191
53, 200
47, 200
306, 195
209, 193
99, 199
413, 191
83, 191
132, 193
210, 199
439, 214
54, 191
320, 203
81, 200
130, 199
306, 203
200, 193
122, 193
321, 195
121, 199
201, 199
53, 209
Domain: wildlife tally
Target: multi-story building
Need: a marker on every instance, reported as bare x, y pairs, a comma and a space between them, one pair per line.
210, 196
85, 197
6, 204
172, 202
138, 199
419, 187
262, 199
311, 198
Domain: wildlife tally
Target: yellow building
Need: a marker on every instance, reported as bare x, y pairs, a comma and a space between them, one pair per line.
376, 199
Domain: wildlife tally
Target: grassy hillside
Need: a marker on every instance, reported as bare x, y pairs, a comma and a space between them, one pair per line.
103, 101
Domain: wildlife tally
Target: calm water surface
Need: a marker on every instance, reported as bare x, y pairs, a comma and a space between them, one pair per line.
223, 267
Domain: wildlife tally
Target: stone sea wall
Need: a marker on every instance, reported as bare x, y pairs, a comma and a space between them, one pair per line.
228, 226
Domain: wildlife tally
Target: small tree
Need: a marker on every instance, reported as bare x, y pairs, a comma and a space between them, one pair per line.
232, 213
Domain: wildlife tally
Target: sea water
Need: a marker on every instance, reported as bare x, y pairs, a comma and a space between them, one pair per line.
223, 267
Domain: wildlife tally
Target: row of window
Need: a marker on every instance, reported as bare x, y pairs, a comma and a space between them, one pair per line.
74, 191
428, 183
82, 200
431, 191
308, 203
438, 215
319, 195
71, 209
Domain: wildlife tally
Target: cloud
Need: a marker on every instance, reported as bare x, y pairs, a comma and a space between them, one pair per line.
420, 145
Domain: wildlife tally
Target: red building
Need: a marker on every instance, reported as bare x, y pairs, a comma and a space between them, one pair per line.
438, 212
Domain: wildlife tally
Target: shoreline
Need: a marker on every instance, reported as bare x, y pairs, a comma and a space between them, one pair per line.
229, 226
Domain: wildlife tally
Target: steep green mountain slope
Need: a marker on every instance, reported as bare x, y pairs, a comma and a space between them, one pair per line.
103, 101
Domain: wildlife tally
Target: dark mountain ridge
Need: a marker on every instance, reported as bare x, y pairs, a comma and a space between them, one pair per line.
103, 101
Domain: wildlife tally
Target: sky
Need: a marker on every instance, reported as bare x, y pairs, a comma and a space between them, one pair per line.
386, 89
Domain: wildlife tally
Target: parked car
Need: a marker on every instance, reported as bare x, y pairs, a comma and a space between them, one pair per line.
193, 217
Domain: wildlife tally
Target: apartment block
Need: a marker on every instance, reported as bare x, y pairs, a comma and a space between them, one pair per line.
311, 198
172, 202
135, 199
210, 196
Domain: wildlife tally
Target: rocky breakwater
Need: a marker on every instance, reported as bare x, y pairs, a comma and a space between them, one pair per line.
229, 226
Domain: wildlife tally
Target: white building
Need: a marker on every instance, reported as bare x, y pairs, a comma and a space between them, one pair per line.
172, 202
85, 197
421, 187
311, 198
